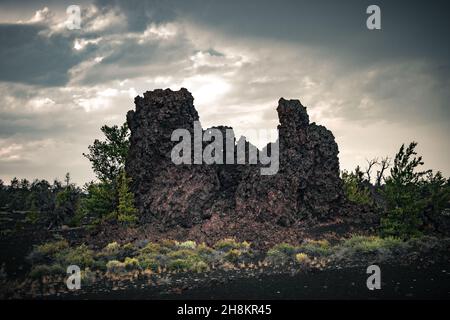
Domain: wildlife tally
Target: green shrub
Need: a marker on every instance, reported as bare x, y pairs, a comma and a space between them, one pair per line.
228, 244
199, 267
131, 263
46, 252
51, 248
45, 270
180, 265
208, 254
99, 264
110, 252
302, 258
81, 256
115, 266
233, 255
280, 253
354, 188
372, 243
183, 259
153, 248
284, 248
187, 245
87, 276
181, 254
169, 244
316, 247
148, 263
114, 251
203, 249
127, 218
112, 247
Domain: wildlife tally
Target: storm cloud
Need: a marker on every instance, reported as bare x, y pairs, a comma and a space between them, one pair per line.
373, 89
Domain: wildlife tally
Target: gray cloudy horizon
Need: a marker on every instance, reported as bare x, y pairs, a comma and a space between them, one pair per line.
373, 89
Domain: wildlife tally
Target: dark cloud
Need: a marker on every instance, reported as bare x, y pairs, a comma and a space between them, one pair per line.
409, 28
142, 13
27, 56
373, 89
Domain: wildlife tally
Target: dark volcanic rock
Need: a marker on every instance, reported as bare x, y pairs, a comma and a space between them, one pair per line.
172, 194
307, 184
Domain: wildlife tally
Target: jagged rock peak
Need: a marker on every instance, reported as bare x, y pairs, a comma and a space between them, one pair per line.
292, 111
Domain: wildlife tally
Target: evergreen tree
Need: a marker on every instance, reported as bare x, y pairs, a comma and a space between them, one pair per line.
108, 157
126, 211
405, 204
354, 187
66, 202
99, 201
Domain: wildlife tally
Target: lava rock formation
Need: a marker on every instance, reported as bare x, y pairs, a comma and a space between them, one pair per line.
307, 185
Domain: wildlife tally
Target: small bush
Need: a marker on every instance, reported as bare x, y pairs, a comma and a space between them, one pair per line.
280, 253
87, 276
112, 247
110, 252
228, 244
115, 266
128, 249
131, 263
208, 254
51, 248
187, 245
45, 252
127, 218
81, 256
372, 243
45, 270
233, 255
284, 248
153, 248
148, 263
169, 244
199, 267
203, 249
181, 254
302, 258
114, 251
180, 265
316, 247
183, 259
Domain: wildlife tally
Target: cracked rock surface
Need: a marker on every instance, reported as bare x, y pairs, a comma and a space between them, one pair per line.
306, 187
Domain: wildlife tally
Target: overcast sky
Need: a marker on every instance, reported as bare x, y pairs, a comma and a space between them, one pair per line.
374, 89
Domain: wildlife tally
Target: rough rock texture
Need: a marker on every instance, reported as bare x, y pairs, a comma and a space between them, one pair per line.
168, 193
307, 186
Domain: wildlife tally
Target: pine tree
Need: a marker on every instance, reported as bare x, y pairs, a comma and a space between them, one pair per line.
126, 211
405, 203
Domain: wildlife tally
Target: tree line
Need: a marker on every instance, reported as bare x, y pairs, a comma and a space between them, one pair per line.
63, 203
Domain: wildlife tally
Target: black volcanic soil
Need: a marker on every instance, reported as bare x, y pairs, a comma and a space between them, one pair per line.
398, 282
426, 278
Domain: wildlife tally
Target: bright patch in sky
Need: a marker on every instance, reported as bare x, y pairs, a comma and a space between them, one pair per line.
206, 89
